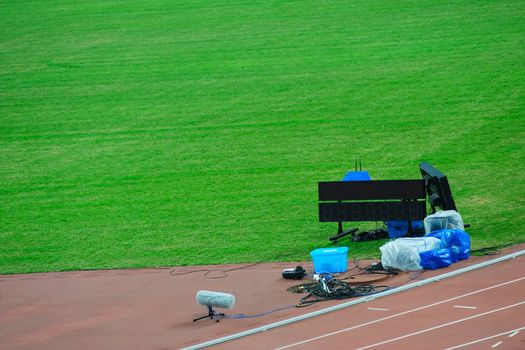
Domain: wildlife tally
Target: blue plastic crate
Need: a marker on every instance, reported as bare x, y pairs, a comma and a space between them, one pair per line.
330, 260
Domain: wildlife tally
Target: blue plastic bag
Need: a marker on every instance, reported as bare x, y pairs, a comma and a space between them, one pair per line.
458, 241
396, 228
436, 258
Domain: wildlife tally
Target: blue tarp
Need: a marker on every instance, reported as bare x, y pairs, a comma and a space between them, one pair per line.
458, 241
435, 259
455, 246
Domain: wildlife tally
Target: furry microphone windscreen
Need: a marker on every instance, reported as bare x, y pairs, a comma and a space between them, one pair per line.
215, 299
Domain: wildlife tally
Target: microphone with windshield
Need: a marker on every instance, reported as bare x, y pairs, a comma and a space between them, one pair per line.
214, 299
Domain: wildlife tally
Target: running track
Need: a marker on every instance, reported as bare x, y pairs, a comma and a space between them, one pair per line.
481, 309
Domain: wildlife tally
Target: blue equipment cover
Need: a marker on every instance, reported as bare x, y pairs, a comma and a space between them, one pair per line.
399, 228
458, 241
357, 176
435, 259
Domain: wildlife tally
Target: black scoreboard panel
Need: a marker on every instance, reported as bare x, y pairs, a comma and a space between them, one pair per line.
372, 211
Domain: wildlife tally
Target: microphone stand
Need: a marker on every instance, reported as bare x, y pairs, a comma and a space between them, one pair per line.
211, 314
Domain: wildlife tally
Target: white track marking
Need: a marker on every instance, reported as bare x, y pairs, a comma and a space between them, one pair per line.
401, 313
514, 332
465, 307
377, 309
443, 325
497, 344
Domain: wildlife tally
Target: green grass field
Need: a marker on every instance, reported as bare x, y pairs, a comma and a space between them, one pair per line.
161, 133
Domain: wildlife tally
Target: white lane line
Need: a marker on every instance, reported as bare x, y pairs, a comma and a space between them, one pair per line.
497, 344
514, 332
442, 325
400, 314
465, 307
377, 309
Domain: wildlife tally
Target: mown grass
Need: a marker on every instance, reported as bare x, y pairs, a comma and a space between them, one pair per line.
165, 133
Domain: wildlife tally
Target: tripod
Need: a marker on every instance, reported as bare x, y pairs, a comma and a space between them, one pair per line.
211, 314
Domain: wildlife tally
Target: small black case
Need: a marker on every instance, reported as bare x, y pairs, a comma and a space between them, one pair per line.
294, 274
